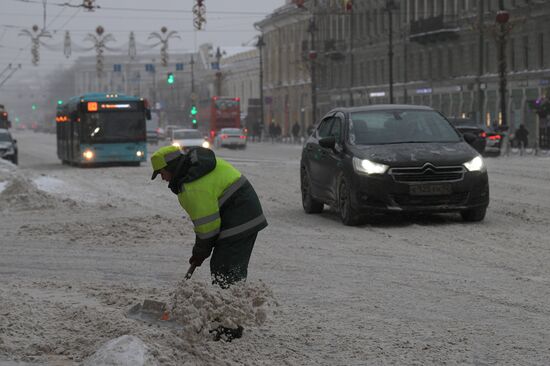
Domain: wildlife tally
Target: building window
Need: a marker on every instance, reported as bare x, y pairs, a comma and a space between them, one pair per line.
526, 52
487, 58
511, 47
451, 64
439, 71
540, 41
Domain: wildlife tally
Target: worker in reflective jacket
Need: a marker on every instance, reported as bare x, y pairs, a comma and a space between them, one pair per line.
222, 204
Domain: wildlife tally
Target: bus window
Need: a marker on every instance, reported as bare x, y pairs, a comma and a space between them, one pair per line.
113, 127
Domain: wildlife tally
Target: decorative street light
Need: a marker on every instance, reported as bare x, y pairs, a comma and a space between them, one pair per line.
100, 43
35, 36
199, 14
163, 38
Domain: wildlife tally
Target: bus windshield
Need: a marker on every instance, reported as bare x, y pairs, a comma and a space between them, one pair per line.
120, 126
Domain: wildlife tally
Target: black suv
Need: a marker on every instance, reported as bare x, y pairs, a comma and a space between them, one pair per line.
391, 158
8, 146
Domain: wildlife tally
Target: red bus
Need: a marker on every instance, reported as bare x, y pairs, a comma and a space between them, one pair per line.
4, 122
217, 113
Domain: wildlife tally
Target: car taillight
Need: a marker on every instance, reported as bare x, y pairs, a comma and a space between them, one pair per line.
483, 134
242, 137
494, 137
223, 137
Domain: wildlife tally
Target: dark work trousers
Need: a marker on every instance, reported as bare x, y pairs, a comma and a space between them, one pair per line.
229, 262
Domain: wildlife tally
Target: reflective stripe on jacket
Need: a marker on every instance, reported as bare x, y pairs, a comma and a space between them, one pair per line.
222, 205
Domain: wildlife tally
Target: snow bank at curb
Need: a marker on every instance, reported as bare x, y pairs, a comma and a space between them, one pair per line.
20, 193
122, 351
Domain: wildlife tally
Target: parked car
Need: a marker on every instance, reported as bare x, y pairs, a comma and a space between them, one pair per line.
186, 138
391, 159
231, 138
8, 146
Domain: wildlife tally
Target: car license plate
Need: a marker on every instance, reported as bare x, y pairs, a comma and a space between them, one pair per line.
430, 189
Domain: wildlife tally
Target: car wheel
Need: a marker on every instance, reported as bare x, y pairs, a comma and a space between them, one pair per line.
310, 204
347, 214
474, 214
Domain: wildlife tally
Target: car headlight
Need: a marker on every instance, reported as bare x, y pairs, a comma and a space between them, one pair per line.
139, 153
88, 154
206, 144
365, 166
475, 165
176, 144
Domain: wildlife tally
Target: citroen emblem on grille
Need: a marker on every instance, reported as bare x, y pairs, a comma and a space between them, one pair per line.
428, 168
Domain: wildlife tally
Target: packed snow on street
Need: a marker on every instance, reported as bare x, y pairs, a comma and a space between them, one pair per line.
79, 247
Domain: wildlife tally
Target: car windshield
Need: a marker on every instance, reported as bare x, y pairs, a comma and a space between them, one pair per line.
231, 131
184, 135
399, 126
4, 137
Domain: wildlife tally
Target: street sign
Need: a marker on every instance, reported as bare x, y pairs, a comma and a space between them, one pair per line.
150, 67
117, 67
179, 66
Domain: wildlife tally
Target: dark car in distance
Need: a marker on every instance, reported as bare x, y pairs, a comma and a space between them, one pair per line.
467, 125
391, 159
487, 141
8, 146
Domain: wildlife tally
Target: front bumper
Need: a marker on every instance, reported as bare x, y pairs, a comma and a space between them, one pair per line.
384, 194
7, 154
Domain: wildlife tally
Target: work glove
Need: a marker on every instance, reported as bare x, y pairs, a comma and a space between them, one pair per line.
197, 260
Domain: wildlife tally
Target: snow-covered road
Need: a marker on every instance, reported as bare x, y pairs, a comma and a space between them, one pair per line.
79, 247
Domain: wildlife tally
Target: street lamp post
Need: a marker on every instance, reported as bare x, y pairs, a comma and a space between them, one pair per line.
312, 64
260, 44
502, 19
349, 9
390, 6
481, 41
218, 72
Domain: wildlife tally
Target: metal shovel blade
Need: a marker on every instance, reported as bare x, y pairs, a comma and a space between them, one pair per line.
153, 312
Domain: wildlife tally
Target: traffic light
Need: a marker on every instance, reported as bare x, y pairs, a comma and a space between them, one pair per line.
170, 78
59, 102
194, 115
33, 107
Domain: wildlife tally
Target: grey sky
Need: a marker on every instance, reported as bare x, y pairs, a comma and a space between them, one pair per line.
229, 24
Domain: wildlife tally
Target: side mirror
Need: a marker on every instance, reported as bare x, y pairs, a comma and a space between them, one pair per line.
148, 114
469, 137
328, 142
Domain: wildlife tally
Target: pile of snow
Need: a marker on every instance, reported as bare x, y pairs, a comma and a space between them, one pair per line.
18, 192
201, 308
122, 351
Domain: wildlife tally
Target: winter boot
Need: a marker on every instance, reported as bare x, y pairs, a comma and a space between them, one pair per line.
227, 334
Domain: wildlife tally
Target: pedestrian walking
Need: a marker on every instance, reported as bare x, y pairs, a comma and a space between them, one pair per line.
296, 132
521, 136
